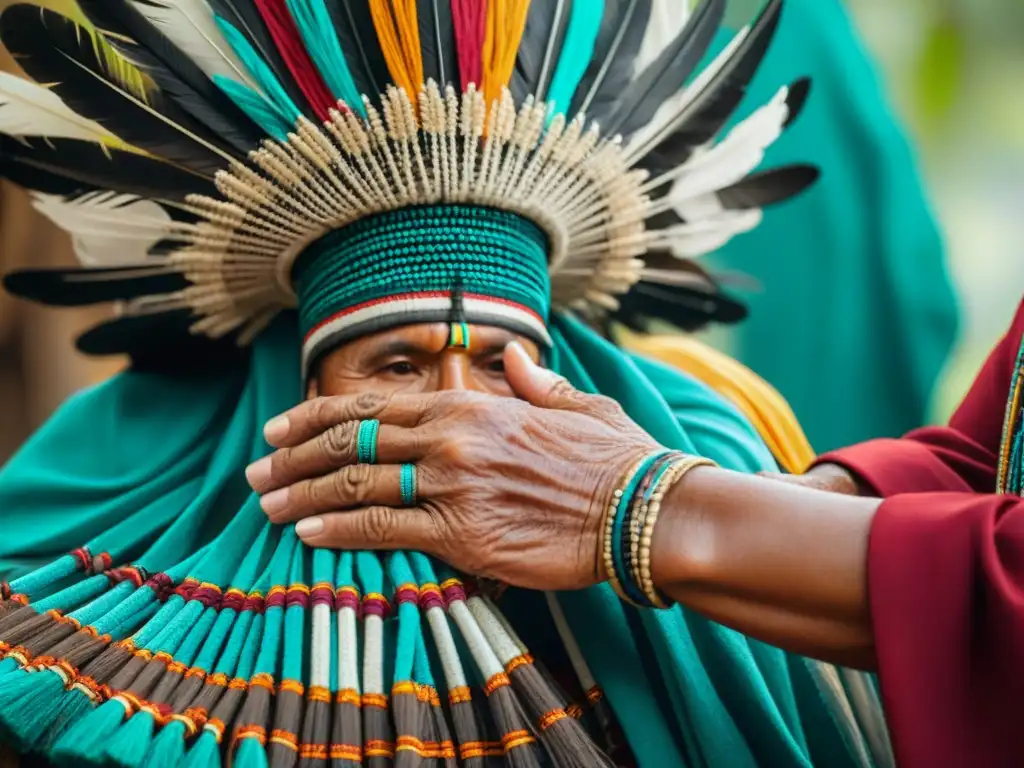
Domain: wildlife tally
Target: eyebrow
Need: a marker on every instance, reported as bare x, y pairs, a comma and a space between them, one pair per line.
399, 347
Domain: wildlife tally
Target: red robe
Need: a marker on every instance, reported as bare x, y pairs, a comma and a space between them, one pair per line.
946, 581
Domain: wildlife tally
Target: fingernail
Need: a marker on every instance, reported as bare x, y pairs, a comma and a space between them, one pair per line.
311, 526
276, 429
275, 501
258, 473
519, 351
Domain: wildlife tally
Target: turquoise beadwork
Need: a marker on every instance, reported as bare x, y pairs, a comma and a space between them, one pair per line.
489, 252
366, 441
407, 484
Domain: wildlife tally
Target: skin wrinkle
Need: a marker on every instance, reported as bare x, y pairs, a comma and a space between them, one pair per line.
507, 492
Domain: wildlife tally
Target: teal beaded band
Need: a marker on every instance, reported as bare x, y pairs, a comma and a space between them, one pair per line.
366, 441
346, 281
407, 484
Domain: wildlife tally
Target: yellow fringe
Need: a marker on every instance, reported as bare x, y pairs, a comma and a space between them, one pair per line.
399, 36
506, 22
761, 403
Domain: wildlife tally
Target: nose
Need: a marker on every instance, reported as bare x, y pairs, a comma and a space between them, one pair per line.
456, 371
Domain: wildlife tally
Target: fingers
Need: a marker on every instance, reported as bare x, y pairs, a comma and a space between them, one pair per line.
335, 447
371, 528
305, 421
540, 386
359, 485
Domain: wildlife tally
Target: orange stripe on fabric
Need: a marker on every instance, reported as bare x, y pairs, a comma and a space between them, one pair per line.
353, 752
313, 751
378, 700
294, 686
497, 681
427, 749
518, 661
550, 718
378, 748
317, 693
516, 739
470, 749
349, 696
285, 738
261, 680
459, 695
257, 732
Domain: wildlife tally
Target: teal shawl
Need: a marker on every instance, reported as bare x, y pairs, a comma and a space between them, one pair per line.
854, 284
142, 456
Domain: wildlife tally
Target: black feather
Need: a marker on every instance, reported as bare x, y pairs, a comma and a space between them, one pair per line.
35, 164
175, 73
35, 178
678, 147
768, 187
162, 343
688, 308
611, 67
665, 76
54, 49
546, 23
358, 37
797, 98
703, 118
79, 287
437, 42
243, 16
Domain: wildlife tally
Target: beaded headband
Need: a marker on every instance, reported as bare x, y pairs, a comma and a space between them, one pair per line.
197, 155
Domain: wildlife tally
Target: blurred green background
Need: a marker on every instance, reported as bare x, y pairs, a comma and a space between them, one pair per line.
955, 74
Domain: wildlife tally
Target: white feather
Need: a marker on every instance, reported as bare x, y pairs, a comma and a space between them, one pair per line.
189, 25
108, 229
668, 17
692, 240
732, 159
28, 109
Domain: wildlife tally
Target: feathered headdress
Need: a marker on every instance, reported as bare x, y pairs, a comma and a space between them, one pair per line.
220, 161
199, 151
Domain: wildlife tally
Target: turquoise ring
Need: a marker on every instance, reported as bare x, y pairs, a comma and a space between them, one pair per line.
366, 441
407, 484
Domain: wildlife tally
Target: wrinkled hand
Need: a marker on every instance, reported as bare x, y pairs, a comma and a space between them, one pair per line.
508, 489
824, 477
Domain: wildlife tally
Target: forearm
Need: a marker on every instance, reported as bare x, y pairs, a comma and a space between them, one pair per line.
779, 562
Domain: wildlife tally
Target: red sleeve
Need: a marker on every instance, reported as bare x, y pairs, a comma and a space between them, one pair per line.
960, 457
946, 585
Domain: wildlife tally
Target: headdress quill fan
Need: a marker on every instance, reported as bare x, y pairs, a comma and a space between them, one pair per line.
200, 152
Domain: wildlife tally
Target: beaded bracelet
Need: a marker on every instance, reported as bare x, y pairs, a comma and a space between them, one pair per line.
628, 526
620, 498
665, 483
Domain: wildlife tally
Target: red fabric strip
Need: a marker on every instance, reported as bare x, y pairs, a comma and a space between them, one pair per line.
289, 42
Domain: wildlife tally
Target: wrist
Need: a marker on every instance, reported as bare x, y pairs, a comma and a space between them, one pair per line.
834, 478
683, 538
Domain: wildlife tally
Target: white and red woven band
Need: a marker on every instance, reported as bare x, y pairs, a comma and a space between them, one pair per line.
411, 308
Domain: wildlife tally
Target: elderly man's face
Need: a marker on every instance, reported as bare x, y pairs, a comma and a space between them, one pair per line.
417, 359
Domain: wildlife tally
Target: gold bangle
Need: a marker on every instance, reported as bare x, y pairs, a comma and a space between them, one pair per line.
666, 482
